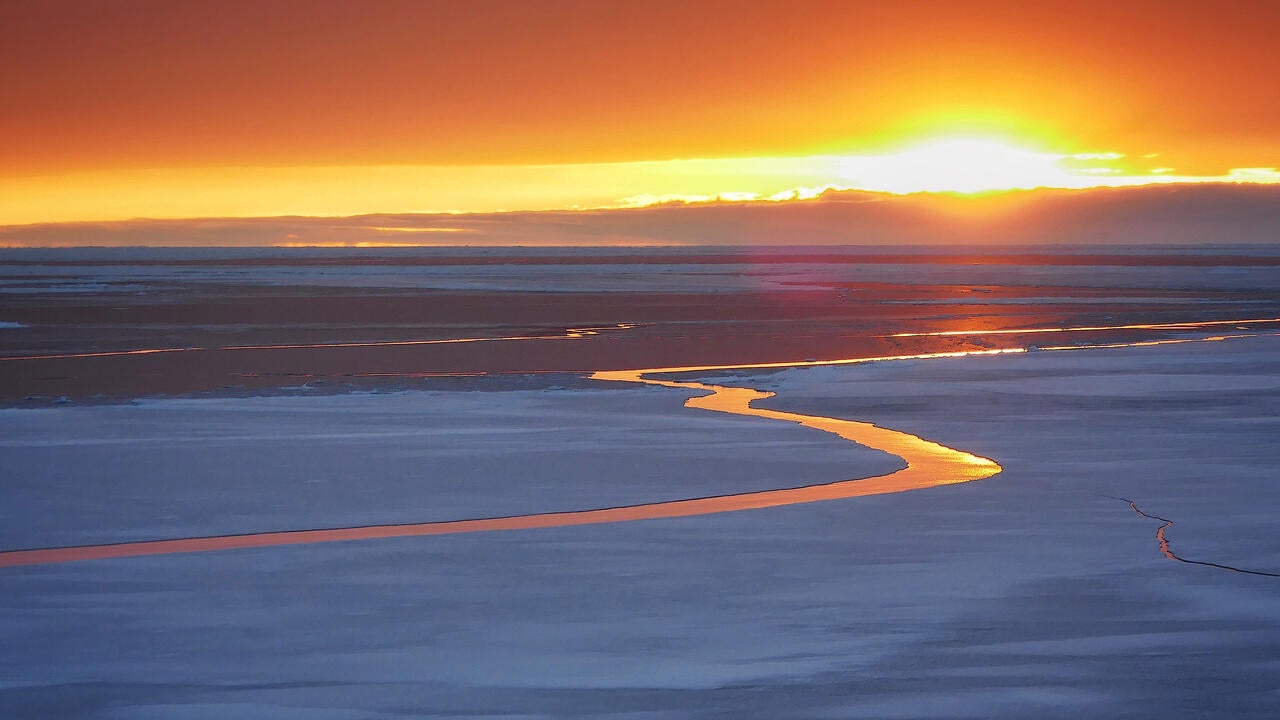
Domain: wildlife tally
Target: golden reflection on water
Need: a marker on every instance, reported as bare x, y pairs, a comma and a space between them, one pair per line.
1152, 343
1094, 328
567, 334
928, 464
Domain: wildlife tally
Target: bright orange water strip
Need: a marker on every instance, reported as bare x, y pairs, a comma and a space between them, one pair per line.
929, 464
1096, 328
568, 334
1151, 343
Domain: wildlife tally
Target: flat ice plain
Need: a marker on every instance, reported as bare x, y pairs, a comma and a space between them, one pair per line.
1032, 594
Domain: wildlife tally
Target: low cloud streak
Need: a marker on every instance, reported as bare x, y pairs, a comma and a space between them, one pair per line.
1194, 214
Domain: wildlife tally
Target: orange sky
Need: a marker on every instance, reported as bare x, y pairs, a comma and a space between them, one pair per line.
95, 92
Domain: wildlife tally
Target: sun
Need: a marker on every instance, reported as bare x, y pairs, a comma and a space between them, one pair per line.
958, 165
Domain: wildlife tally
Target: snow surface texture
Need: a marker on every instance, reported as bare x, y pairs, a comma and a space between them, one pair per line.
1027, 595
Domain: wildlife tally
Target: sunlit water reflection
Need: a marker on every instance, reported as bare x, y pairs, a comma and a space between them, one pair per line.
928, 464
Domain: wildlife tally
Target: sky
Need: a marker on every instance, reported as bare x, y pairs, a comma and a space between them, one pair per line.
156, 109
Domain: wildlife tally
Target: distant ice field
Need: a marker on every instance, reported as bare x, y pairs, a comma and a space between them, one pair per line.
619, 277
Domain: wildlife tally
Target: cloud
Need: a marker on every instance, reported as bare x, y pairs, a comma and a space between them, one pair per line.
1195, 214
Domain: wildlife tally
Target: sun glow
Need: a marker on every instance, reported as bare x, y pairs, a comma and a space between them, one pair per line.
966, 164
962, 165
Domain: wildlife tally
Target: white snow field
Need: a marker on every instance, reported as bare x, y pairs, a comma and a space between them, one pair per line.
1031, 594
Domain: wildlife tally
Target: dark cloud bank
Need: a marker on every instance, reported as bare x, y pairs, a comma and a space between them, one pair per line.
1204, 215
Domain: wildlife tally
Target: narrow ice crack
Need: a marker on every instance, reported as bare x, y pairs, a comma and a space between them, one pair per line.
1163, 540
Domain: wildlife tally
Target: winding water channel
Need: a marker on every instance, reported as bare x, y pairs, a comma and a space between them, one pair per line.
927, 464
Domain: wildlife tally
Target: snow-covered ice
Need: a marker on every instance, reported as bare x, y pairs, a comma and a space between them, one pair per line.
1033, 594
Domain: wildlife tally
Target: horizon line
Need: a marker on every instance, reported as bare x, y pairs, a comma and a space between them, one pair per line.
827, 195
